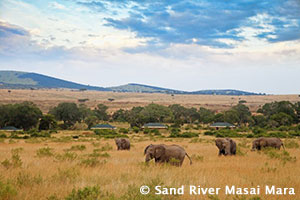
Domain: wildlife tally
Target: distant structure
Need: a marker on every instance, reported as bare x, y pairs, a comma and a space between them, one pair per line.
10, 128
103, 126
155, 126
219, 125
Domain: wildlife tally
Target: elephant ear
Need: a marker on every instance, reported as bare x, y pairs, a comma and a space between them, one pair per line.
123, 140
145, 151
159, 151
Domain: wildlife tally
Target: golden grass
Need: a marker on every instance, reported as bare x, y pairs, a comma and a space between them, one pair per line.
41, 177
46, 99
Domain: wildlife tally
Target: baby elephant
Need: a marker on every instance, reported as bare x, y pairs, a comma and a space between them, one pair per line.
122, 143
166, 153
226, 146
263, 142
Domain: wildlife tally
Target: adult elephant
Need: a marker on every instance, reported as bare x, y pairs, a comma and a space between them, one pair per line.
226, 146
162, 153
263, 142
122, 143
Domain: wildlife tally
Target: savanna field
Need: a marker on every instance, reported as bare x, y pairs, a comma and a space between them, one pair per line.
62, 167
75, 163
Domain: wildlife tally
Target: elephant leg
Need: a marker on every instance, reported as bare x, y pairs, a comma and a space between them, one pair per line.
220, 152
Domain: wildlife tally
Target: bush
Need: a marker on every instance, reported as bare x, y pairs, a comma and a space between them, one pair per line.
44, 152
123, 130
2, 135
210, 133
291, 144
155, 132
103, 132
78, 148
7, 191
184, 135
136, 129
91, 162
87, 193
146, 130
14, 162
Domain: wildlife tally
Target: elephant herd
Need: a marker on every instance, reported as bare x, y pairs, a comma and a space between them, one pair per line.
175, 154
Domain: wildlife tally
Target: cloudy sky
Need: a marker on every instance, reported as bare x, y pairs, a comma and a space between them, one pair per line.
251, 45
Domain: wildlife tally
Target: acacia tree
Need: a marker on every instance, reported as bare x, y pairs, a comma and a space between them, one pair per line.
69, 113
24, 115
47, 122
101, 112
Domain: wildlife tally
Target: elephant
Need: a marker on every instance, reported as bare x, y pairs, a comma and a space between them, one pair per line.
263, 142
226, 146
122, 143
165, 153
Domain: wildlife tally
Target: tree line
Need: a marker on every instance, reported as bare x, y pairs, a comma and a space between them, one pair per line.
27, 115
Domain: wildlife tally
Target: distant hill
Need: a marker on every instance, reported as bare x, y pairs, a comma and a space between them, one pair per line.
134, 87
23, 80
225, 92
27, 80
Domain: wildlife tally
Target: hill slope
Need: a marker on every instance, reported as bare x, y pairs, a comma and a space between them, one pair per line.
23, 80
14, 80
134, 87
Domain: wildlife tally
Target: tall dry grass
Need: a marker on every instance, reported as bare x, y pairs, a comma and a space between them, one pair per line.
119, 174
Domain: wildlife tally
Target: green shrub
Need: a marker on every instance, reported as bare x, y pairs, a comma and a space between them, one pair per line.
87, 193
67, 156
45, 152
91, 162
210, 133
291, 144
78, 148
124, 130
2, 135
155, 132
7, 191
146, 130
14, 162
136, 129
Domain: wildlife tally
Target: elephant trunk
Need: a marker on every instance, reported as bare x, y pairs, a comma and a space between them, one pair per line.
148, 158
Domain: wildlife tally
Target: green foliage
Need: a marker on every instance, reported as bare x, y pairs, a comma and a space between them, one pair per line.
120, 115
3, 135
7, 191
291, 144
67, 156
91, 121
69, 113
176, 134
91, 162
100, 112
103, 132
77, 148
44, 152
283, 156
135, 129
124, 130
24, 115
47, 122
14, 162
87, 193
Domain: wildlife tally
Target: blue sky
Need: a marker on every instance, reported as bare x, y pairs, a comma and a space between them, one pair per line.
251, 45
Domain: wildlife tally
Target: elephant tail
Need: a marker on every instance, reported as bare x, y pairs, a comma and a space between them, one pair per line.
189, 158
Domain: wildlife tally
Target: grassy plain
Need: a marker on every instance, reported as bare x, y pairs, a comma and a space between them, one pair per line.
51, 168
46, 99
